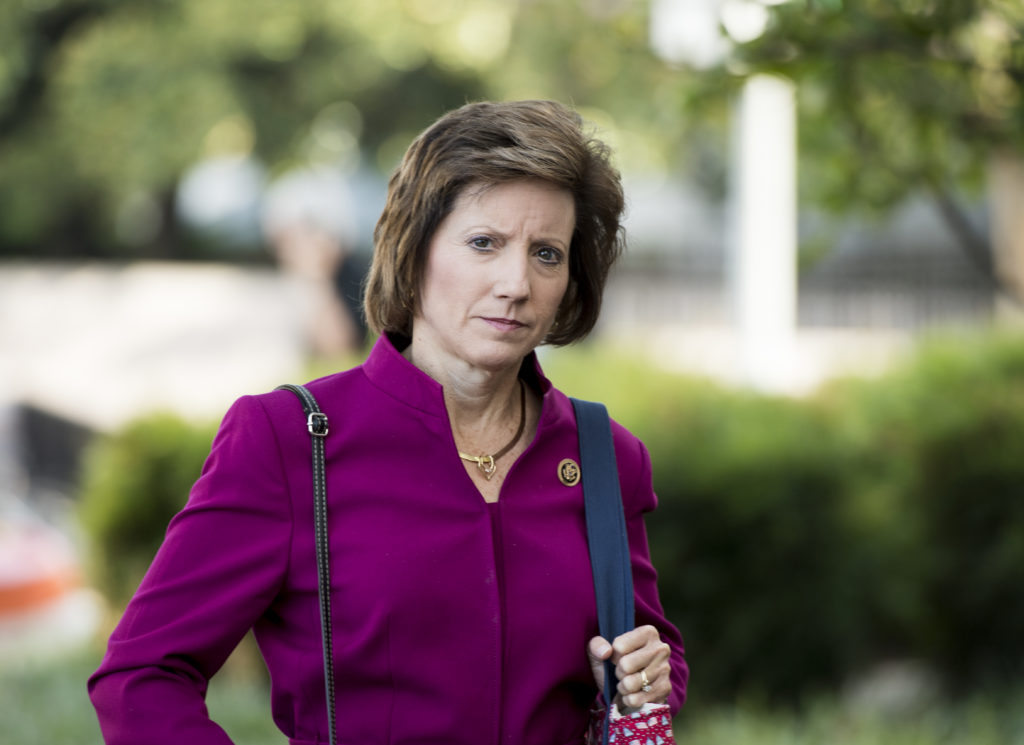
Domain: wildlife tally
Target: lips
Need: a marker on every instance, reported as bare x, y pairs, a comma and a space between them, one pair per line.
505, 324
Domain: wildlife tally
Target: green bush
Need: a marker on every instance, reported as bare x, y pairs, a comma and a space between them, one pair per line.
829, 720
799, 541
46, 702
949, 426
42, 705
133, 482
760, 565
757, 562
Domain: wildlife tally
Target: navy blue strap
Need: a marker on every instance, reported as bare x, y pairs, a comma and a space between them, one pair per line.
606, 530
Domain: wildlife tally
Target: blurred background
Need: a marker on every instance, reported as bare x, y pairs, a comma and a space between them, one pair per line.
816, 330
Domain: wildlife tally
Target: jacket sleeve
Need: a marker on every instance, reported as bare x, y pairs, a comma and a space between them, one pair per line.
221, 563
638, 499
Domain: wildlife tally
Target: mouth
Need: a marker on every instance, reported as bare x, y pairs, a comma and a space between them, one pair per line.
504, 324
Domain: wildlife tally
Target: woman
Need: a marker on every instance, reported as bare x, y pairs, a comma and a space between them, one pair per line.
463, 602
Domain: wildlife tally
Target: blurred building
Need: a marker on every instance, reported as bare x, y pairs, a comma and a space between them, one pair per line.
100, 344
873, 288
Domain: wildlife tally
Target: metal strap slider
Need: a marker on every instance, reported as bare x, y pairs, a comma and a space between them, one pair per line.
316, 423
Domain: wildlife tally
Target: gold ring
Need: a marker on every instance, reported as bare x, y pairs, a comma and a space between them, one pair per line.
645, 684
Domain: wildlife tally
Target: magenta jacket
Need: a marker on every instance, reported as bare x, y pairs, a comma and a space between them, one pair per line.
455, 621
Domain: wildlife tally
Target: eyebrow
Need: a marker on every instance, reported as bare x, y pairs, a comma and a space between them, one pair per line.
503, 236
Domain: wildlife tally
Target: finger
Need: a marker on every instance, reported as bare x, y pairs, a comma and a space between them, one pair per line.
631, 641
658, 679
660, 689
599, 649
651, 658
636, 682
643, 660
659, 667
648, 677
639, 649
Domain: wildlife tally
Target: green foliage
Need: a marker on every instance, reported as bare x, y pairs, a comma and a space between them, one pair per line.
133, 483
895, 98
47, 703
799, 541
994, 720
950, 427
104, 105
752, 516
757, 564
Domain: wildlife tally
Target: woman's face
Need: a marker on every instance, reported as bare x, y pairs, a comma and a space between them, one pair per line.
497, 269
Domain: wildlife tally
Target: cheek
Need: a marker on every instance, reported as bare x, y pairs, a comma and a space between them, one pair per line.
444, 290
559, 292
553, 300
563, 297
435, 283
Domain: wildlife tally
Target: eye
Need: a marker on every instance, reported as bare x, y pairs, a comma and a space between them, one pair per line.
549, 255
481, 242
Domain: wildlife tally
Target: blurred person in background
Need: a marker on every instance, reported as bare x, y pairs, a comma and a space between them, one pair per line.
309, 221
462, 591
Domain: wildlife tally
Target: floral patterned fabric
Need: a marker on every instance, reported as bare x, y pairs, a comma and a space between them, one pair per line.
649, 725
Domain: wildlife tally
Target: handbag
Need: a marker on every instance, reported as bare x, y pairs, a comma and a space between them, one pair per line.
609, 557
613, 578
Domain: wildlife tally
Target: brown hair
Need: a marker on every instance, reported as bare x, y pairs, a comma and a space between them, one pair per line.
492, 143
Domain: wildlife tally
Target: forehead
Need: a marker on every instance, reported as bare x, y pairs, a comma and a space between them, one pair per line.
543, 199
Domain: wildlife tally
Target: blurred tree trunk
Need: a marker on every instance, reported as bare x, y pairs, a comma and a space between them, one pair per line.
1006, 199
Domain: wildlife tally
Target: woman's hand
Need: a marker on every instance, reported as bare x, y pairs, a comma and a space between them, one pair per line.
639, 656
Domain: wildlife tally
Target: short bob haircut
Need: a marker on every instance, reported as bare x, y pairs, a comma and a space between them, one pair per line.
489, 144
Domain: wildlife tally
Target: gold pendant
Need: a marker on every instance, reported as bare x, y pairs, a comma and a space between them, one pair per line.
486, 464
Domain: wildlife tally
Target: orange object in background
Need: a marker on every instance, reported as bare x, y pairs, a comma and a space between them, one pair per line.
37, 566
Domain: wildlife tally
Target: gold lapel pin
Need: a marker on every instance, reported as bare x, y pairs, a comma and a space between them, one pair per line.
569, 472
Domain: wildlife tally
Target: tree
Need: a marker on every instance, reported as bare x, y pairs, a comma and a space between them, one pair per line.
897, 99
105, 103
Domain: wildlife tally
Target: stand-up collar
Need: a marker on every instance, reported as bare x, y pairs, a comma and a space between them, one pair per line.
392, 373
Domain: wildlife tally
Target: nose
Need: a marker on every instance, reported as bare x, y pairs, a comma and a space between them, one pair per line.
513, 274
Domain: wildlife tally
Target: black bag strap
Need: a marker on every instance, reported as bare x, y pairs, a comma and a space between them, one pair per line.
316, 423
606, 532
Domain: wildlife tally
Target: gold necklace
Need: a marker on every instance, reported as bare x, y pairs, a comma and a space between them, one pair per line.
486, 463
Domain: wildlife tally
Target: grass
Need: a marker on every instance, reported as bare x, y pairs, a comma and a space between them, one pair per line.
978, 721
46, 703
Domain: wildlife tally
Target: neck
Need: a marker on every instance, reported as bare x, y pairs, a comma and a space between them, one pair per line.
483, 413
487, 462
470, 392
485, 408
486, 431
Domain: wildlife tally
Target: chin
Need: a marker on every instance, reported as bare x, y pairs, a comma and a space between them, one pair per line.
497, 357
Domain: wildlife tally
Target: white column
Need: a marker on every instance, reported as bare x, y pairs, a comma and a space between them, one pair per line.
762, 262
1006, 214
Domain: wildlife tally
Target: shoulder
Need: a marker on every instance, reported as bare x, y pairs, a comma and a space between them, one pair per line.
634, 470
282, 404
634, 463
629, 449
271, 417
631, 458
